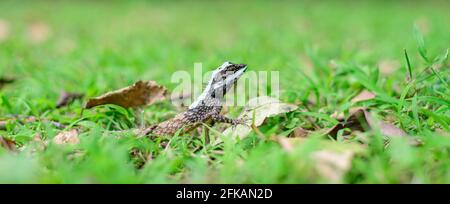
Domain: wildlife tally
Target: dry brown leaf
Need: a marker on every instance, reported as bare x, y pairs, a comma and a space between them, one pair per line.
361, 118
139, 94
385, 128
38, 32
363, 96
299, 132
7, 143
4, 30
289, 143
332, 160
333, 165
263, 107
340, 116
66, 98
67, 137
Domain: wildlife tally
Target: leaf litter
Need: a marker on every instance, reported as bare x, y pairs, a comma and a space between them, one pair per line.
331, 161
258, 109
67, 137
141, 93
363, 96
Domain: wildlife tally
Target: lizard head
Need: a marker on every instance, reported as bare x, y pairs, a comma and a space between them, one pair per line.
220, 82
225, 76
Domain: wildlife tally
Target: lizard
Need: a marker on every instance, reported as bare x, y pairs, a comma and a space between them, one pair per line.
207, 106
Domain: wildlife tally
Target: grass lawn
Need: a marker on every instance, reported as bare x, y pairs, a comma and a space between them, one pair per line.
326, 54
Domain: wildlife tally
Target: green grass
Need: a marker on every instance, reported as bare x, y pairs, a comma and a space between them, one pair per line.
325, 53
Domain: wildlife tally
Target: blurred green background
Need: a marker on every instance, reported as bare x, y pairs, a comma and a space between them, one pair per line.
97, 46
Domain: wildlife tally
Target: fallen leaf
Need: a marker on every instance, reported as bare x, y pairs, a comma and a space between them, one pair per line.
360, 118
332, 160
7, 143
4, 81
66, 98
363, 96
4, 30
38, 32
263, 107
139, 94
289, 144
333, 165
385, 128
299, 132
340, 116
67, 137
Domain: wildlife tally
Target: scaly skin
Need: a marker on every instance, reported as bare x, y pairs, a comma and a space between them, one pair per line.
206, 108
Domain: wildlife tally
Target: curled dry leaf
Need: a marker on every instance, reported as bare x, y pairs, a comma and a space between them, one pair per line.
66, 98
332, 160
139, 94
262, 107
7, 143
289, 144
4, 30
363, 96
340, 116
38, 32
359, 119
67, 137
385, 128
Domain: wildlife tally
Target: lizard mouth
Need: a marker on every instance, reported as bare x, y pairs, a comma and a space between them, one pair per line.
241, 68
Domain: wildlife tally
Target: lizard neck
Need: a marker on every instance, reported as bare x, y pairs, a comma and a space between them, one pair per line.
206, 99
210, 97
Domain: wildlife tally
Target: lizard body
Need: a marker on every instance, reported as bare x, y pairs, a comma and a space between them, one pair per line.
208, 105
